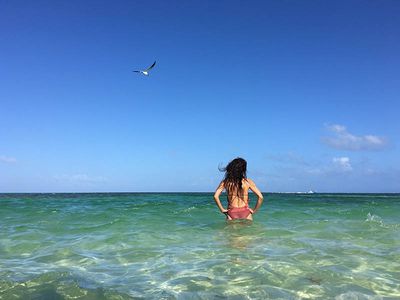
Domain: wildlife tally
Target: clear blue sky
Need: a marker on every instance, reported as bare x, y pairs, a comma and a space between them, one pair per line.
306, 91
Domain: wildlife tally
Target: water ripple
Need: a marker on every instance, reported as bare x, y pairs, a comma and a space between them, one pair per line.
178, 246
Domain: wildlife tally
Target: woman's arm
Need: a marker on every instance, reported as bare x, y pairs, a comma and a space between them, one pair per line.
256, 191
218, 192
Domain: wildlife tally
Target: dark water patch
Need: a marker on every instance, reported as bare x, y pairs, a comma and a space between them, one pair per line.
55, 286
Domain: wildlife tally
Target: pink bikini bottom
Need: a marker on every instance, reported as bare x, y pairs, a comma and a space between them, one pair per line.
239, 212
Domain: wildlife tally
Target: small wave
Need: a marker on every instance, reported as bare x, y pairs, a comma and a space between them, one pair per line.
189, 209
184, 211
374, 218
378, 220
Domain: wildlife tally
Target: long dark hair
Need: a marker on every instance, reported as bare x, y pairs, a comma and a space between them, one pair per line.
235, 172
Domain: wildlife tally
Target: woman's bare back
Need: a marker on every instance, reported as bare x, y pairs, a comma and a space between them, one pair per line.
238, 199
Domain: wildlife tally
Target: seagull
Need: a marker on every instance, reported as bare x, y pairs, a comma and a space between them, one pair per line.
146, 72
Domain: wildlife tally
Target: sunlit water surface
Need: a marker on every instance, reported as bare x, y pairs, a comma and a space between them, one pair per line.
178, 246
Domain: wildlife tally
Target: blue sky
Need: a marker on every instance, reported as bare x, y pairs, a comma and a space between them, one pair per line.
306, 91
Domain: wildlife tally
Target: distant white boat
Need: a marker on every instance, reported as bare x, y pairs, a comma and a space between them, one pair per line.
310, 192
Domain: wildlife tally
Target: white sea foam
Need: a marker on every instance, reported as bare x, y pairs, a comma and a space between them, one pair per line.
378, 220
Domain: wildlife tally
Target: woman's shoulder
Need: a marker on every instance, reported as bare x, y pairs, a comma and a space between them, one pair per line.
249, 181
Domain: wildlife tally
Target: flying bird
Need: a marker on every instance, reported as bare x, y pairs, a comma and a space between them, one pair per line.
146, 72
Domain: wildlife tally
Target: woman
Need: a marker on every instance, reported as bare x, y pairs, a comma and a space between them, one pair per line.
237, 188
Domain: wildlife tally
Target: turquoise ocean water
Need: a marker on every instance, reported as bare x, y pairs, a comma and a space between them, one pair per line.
177, 246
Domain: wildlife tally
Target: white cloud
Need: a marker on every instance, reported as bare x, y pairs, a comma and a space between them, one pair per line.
339, 173
7, 159
342, 139
342, 163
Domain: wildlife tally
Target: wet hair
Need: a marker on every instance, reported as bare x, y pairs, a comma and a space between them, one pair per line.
235, 172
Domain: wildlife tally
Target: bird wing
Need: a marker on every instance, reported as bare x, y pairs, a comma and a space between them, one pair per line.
136, 71
151, 67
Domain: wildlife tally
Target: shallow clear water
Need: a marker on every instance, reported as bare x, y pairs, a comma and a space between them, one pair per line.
177, 246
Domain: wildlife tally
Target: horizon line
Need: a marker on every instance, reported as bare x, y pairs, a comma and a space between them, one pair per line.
191, 192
